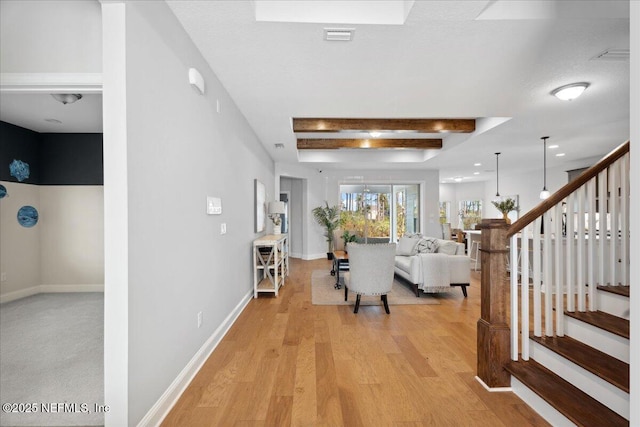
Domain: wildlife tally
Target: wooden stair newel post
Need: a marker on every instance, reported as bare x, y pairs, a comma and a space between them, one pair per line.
494, 344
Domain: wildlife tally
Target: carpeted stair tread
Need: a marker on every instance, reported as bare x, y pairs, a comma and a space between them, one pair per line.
608, 322
618, 290
608, 368
577, 406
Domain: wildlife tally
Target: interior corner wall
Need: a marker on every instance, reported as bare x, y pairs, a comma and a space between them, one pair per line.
179, 151
64, 250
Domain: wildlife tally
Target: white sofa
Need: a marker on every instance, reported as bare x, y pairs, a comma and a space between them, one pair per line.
431, 264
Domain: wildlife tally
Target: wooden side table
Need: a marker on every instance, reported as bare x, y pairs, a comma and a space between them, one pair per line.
270, 256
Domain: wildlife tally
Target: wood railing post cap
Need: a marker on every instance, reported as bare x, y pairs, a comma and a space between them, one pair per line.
493, 223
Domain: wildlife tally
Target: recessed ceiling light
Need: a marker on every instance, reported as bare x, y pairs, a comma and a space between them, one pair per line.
477, 164
375, 133
476, 173
551, 147
457, 179
54, 121
560, 155
570, 92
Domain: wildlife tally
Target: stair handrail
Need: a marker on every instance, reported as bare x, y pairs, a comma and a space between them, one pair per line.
568, 188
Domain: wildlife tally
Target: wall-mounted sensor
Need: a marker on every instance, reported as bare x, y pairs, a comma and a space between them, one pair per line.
196, 80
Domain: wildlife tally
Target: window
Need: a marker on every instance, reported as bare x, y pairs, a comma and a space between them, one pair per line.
445, 212
380, 210
469, 214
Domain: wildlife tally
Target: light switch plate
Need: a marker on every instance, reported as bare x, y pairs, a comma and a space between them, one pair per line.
214, 205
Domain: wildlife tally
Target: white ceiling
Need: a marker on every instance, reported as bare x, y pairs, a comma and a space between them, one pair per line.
443, 62
32, 110
492, 60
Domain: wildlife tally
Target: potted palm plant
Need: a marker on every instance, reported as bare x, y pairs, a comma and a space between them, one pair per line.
328, 217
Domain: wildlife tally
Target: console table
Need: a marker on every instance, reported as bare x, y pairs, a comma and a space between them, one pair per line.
270, 263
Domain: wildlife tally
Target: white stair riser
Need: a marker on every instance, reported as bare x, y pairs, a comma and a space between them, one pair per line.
546, 411
611, 303
597, 338
604, 392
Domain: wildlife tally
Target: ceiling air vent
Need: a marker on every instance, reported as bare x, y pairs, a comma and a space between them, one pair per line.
612, 55
339, 34
279, 146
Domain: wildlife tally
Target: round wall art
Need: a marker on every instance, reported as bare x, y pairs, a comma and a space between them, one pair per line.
3, 191
28, 216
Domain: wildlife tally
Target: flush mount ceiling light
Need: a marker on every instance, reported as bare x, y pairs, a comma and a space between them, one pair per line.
67, 98
570, 92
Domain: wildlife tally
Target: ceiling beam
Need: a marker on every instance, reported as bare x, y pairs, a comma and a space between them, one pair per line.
333, 144
409, 125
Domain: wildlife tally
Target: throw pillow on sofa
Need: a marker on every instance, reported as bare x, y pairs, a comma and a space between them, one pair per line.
427, 245
407, 246
448, 248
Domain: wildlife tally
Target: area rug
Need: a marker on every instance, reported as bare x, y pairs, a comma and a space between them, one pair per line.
323, 293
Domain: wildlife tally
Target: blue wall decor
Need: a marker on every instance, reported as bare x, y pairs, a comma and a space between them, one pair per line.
19, 169
28, 216
3, 191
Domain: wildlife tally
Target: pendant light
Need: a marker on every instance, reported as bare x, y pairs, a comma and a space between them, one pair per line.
497, 192
544, 194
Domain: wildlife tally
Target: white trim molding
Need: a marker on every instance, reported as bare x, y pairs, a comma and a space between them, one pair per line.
161, 408
51, 82
43, 289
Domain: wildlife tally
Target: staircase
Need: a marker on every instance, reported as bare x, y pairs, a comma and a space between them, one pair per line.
569, 308
581, 378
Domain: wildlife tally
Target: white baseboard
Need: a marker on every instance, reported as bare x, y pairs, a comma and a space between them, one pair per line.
41, 289
71, 288
22, 293
493, 389
161, 408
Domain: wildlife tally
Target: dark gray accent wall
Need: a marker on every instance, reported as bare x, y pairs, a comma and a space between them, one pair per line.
71, 159
54, 158
20, 144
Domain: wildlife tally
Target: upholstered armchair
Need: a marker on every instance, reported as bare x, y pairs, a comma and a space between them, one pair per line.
370, 271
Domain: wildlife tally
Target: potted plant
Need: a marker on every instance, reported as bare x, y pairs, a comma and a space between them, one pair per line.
348, 237
505, 206
328, 217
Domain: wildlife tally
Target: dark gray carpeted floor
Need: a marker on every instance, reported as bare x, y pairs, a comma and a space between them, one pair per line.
51, 360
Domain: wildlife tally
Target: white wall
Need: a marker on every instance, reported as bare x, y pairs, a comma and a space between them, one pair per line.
72, 236
73, 43
325, 185
63, 251
19, 246
178, 151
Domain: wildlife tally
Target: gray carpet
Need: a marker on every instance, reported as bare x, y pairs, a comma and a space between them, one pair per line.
51, 354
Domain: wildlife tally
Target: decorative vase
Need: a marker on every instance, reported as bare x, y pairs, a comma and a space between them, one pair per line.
505, 215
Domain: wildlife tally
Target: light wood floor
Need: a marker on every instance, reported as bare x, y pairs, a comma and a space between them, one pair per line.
288, 362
